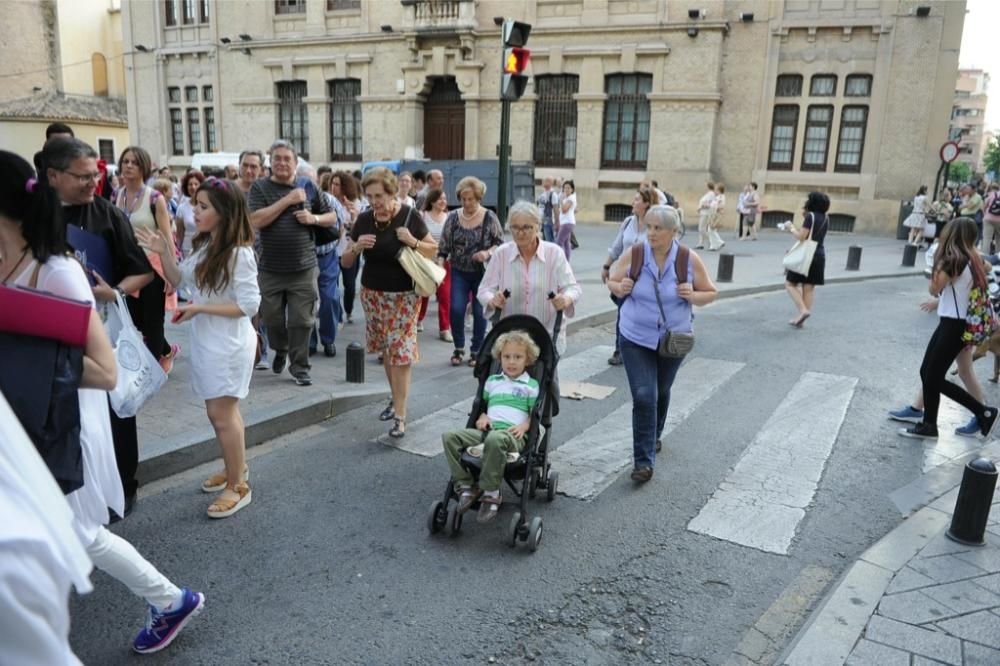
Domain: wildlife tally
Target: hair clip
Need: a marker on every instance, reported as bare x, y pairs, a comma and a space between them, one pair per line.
30, 185
217, 183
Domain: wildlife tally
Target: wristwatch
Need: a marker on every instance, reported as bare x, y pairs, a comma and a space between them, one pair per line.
607, 267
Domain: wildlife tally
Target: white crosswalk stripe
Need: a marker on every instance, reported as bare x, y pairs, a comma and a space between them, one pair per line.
762, 501
423, 436
591, 461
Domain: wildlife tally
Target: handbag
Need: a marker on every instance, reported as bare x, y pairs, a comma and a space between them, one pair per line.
139, 374
799, 258
673, 344
27, 311
427, 276
980, 318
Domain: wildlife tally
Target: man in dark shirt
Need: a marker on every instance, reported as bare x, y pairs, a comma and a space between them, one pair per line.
287, 273
71, 170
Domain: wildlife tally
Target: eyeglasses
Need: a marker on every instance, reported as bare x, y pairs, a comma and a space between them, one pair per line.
84, 178
518, 229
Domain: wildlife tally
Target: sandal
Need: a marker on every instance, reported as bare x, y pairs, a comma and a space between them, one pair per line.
489, 507
456, 357
388, 413
223, 507
467, 498
217, 482
472, 359
398, 428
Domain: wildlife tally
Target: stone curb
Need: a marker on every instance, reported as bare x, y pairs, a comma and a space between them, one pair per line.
195, 450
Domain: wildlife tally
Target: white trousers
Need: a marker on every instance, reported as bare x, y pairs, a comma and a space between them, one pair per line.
703, 236
119, 559
714, 239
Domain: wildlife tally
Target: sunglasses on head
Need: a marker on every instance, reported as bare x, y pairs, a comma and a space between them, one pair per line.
216, 183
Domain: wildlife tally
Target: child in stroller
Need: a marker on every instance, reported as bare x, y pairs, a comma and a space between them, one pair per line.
500, 431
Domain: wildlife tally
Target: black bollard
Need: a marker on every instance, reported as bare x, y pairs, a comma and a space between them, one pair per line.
356, 363
725, 273
972, 509
910, 254
854, 258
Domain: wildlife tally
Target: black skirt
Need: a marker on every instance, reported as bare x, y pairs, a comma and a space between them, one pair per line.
816, 270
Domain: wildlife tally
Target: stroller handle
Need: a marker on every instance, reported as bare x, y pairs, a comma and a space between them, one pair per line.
555, 328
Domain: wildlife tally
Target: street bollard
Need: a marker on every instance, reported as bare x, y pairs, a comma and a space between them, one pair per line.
356, 363
725, 268
854, 258
972, 509
910, 254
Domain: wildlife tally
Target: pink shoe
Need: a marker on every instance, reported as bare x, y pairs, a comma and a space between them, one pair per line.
167, 362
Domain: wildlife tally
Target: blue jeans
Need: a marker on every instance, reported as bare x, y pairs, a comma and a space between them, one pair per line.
330, 312
650, 377
462, 284
350, 277
548, 233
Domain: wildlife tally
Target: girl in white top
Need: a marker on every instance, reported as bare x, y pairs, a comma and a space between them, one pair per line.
918, 218
957, 270
567, 217
404, 184
33, 253
184, 219
221, 274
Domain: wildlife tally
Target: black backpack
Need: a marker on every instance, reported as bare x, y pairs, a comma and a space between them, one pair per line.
994, 207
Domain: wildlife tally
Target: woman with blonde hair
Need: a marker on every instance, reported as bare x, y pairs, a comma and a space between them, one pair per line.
387, 296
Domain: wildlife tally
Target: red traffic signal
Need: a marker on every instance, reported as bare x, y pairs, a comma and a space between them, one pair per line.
515, 60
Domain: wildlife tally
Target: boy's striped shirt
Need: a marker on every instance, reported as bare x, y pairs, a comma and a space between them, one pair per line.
509, 401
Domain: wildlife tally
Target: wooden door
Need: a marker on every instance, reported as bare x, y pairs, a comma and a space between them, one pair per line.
444, 121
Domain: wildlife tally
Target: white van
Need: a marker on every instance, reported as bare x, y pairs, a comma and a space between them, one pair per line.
220, 160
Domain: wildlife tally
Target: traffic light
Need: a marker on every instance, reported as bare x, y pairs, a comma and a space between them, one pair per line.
513, 81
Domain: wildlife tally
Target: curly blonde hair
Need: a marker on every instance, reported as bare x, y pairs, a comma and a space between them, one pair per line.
520, 338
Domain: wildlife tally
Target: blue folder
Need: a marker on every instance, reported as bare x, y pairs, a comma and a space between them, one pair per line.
92, 251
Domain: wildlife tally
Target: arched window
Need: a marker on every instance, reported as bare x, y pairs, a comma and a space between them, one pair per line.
99, 66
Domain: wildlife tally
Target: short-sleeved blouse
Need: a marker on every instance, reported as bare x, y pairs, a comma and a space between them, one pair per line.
382, 271
458, 244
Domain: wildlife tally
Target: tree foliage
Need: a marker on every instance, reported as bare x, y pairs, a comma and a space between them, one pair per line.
959, 172
992, 159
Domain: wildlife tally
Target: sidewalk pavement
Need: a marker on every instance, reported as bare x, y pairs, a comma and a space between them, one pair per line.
915, 597
174, 432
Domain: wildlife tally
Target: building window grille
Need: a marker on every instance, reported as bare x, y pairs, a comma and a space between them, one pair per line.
784, 125
819, 120
341, 5
106, 149
170, 12
555, 120
174, 95
858, 85
789, 85
293, 118
191, 94
188, 11
210, 144
289, 6
345, 119
194, 130
851, 141
203, 11
616, 212
176, 132
823, 85
206, 94
626, 121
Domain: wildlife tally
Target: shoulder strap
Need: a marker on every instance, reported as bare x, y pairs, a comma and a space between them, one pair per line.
33, 282
681, 263
638, 256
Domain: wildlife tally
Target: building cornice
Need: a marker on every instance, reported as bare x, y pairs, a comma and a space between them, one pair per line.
306, 61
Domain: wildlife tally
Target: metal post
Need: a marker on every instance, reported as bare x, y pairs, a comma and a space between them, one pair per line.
725, 268
972, 508
355, 363
910, 254
504, 163
854, 258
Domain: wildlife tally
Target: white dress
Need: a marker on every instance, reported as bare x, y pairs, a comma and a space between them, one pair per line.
223, 348
569, 216
918, 218
102, 487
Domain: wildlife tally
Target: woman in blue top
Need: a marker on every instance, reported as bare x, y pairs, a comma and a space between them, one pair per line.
650, 375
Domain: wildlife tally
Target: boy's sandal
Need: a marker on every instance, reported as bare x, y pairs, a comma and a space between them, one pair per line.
223, 508
398, 428
217, 482
467, 498
489, 507
456, 357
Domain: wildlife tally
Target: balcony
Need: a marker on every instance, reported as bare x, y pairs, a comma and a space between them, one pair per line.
439, 16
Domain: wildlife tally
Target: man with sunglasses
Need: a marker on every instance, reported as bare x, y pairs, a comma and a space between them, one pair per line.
71, 170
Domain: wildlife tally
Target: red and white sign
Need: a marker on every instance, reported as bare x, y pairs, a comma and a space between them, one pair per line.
949, 152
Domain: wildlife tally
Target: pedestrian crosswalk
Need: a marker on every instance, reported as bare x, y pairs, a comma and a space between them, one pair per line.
760, 502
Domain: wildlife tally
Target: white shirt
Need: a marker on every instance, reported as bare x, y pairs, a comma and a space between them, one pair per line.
954, 298
569, 217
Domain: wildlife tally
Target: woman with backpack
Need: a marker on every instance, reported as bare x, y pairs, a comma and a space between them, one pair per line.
658, 282
991, 219
957, 277
802, 288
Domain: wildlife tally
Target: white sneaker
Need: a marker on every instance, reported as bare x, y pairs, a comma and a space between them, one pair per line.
446, 336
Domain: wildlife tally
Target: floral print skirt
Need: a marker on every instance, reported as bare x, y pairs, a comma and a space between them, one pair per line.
391, 324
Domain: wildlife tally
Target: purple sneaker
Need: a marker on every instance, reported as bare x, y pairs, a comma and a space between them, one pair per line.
163, 626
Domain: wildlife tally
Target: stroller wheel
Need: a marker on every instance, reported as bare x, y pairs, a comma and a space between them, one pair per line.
531, 481
551, 486
513, 529
454, 521
534, 533
437, 517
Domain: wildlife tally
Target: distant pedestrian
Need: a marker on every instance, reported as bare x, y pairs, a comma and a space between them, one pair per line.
347, 190
390, 303
802, 288
917, 218
957, 271
221, 275
751, 208
972, 207
405, 181
991, 219
184, 225
548, 207
435, 181
656, 302
940, 213
715, 242
567, 217
435, 215
741, 209
705, 214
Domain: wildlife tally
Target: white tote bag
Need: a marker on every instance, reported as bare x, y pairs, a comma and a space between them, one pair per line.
800, 257
139, 374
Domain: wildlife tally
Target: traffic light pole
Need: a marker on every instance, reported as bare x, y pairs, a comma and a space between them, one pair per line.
504, 162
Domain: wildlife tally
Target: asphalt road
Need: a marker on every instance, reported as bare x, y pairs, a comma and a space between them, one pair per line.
332, 563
